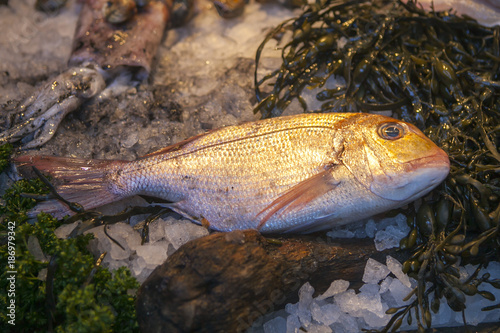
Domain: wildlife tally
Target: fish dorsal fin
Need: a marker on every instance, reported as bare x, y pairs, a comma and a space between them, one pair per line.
178, 145
300, 195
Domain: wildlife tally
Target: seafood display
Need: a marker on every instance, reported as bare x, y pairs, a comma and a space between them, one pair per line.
436, 73
297, 173
102, 46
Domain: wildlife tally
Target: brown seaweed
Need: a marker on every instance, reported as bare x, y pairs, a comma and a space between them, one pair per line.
436, 70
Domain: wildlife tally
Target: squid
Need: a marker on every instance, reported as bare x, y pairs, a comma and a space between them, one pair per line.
111, 38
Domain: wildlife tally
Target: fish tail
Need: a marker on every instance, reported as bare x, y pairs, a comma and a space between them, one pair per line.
83, 181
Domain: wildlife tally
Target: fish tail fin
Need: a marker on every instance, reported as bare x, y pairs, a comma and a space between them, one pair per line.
83, 181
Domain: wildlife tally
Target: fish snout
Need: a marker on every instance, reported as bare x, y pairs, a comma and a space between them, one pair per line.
425, 173
415, 178
436, 159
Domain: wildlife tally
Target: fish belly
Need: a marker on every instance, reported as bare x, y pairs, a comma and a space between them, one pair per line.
348, 202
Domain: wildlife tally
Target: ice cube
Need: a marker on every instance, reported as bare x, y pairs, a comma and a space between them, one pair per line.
374, 320
337, 287
42, 274
360, 233
390, 232
388, 238
326, 314
384, 286
370, 300
118, 253
401, 220
138, 265
293, 324
153, 254
370, 228
113, 264
466, 271
130, 140
182, 232
122, 234
276, 325
399, 291
315, 328
340, 233
291, 308
396, 268
126, 232
101, 243
348, 301
374, 271
305, 299
65, 230
346, 324
370, 289
157, 230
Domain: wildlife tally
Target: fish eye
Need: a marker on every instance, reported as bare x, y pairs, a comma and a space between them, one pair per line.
391, 131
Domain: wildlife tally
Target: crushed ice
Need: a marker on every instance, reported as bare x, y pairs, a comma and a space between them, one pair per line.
345, 310
387, 232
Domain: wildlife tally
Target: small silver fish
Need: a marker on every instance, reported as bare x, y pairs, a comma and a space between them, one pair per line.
290, 174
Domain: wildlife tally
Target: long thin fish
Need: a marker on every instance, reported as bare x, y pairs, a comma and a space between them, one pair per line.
290, 174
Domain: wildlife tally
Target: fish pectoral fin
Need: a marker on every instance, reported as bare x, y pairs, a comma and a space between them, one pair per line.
300, 195
177, 207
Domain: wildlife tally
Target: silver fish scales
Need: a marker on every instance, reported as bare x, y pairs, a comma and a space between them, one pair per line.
289, 174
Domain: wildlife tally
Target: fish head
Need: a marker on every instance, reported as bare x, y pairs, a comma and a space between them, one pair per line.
394, 159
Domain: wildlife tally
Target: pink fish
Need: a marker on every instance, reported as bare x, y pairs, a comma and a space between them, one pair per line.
298, 173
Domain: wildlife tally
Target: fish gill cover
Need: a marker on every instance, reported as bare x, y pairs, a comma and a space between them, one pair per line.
434, 69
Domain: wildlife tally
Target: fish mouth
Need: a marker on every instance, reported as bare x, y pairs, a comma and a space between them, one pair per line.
436, 160
418, 178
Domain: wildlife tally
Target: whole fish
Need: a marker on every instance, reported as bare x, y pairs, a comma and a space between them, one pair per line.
291, 174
